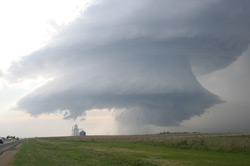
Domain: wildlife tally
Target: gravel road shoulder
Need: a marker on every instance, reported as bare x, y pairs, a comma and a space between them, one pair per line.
6, 157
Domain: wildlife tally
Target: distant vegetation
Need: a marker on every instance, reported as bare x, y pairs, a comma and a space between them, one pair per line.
143, 150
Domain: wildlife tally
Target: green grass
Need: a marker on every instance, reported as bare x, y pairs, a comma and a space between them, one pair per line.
152, 150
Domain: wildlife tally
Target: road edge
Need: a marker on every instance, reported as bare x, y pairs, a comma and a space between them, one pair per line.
7, 157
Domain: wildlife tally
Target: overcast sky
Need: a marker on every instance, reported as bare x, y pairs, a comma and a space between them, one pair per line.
125, 67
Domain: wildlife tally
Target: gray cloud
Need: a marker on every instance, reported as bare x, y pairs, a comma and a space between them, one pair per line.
138, 56
231, 84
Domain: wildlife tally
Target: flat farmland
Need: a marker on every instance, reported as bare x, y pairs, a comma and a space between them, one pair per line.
231, 149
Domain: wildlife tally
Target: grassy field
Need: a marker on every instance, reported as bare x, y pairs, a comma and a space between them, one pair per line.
145, 150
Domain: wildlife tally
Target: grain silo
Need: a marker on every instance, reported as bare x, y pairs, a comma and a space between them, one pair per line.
75, 130
82, 133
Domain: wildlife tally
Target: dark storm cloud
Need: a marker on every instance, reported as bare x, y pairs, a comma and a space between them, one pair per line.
139, 56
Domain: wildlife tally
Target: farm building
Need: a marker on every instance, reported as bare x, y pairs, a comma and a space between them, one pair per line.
75, 131
82, 133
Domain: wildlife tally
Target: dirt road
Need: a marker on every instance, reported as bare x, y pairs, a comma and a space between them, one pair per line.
8, 150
